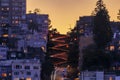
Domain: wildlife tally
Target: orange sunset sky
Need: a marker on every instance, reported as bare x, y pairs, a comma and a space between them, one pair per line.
64, 13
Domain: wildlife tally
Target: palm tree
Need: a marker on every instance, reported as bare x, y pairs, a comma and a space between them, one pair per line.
33, 26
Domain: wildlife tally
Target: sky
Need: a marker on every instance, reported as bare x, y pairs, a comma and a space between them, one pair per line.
64, 13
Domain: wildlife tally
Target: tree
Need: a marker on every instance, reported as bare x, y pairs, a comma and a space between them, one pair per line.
33, 26
102, 32
73, 47
29, 11
73, 55
47, 68
36, 10
47, 65
94, 59
51, 33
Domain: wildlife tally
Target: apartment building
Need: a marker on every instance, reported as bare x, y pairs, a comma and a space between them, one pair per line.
12, 12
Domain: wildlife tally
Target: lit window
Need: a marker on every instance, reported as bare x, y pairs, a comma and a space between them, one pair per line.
45, 37
67, 46
4, 75
81, 31
113, 68
22, 79
28, 79
110, 78
119, 42
10, 74
2, 17
7, 8
75, 39
13, 35
25, 51
16, 22
13, 22
16, 79
119, 48
2, 9
46, 21
3, 43
31, 21
112, 48
86, 24
51, 35
43, 48
5, 35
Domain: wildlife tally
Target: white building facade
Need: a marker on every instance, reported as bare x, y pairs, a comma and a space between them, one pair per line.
26, 70
92, 75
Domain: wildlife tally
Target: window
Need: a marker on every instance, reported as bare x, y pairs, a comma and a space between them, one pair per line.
4, 75
13, 55
18, 67
19, 54
28, 79
16, 73
110, 78
7, 8
45, 21
3, 50
4, 4
21, 79
36, 67
113, 68
10, 74
28, 73
112, 48
2, 9
36, 75
119, 42
27, 67
30, 21
16, 78
43, 48
119, 48
16, 22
